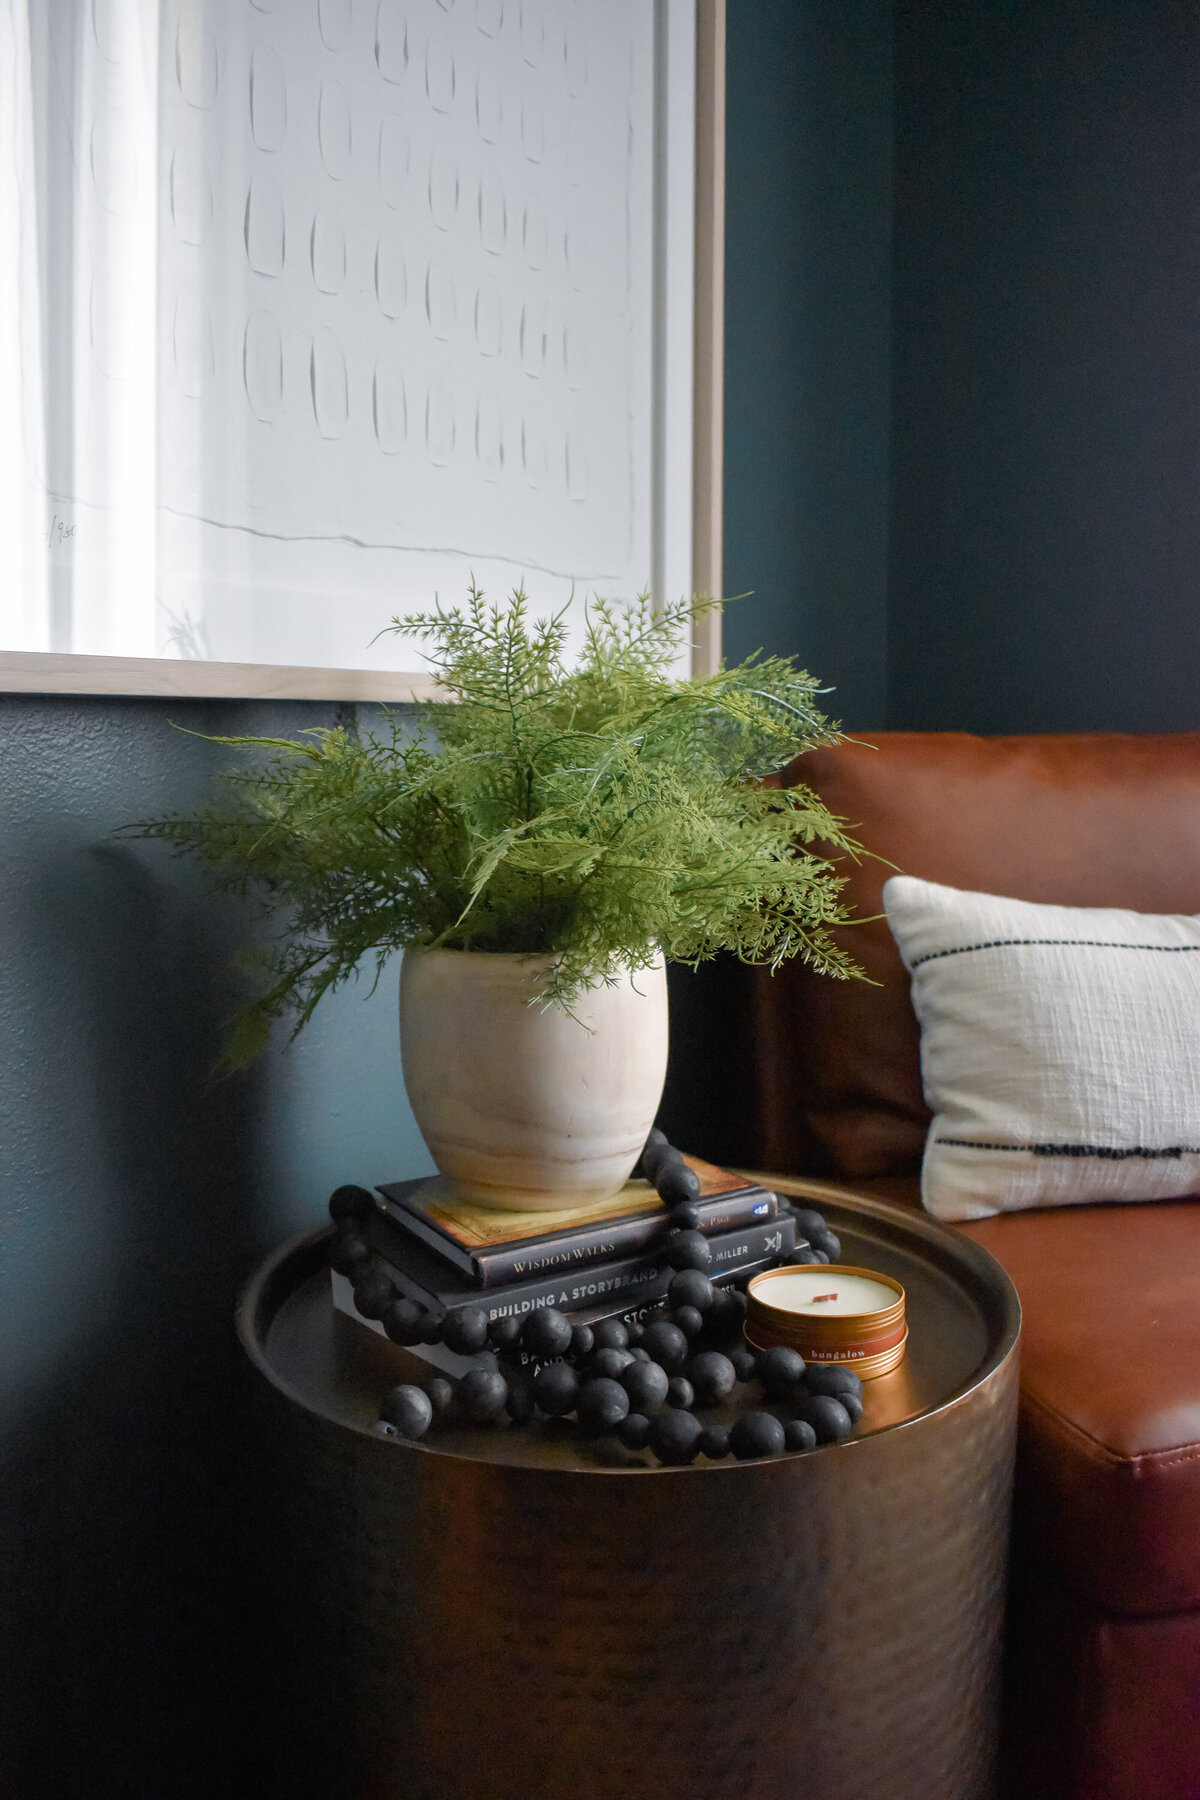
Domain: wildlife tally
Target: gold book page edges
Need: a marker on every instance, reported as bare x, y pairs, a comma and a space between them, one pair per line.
475, 1226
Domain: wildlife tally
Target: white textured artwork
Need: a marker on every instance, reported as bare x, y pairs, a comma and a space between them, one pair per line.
341, 301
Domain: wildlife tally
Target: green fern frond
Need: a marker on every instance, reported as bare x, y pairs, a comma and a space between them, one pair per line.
603, 811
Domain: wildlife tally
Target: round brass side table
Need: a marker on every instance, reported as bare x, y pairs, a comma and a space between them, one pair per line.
515, 1616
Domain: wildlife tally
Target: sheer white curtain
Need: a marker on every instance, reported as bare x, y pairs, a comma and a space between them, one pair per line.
23, 583
78, 325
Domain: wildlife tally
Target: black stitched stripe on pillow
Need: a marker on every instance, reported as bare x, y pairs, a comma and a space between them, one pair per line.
1071, 943
1101, 1150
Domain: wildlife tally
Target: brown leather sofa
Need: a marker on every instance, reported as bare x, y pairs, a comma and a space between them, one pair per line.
1103, 1687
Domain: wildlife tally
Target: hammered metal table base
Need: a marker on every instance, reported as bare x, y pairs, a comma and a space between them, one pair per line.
824, 1627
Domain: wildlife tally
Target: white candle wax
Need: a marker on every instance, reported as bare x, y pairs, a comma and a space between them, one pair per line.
798, 1293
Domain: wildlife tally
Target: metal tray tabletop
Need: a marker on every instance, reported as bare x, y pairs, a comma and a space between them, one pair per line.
963, 1316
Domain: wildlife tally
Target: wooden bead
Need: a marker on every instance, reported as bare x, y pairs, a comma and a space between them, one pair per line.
373, 1294
798, 1434
350, 1203
554, 1388
653, 1151
712, 1377
675, 1437
756, 1434
852, 1403
610, 1334
465, 1331
685, 1216
601, 1405
832, 1378
634, 1430
723, 1320
402, 1320
547, 1332
681, 1393
828, 1418
829, 1242
408, 1409
745, 1363
692, 1287
635, 1329
664, 1156
689, 1321
676, 1183
688, 1250
667, 1345
520, 1404
646, 1384
482, 1395
781, 1371
583, 1342
349, 1252
441, 1394
608, 1365
714, 1442
504, 1334
808, 1221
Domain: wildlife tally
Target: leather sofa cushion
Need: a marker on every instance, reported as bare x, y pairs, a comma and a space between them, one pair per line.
1086, 820
1109, 1482
1108, 1475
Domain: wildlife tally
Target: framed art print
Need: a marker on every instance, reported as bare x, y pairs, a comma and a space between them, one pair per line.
312, 311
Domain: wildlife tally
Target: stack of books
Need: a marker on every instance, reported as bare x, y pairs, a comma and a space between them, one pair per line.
591, 1262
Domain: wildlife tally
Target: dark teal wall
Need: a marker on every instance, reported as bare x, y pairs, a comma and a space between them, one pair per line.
1046, 451
1012, 544
808, 248
136, 1199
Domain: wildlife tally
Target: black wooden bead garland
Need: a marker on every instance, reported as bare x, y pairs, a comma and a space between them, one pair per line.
639, 1383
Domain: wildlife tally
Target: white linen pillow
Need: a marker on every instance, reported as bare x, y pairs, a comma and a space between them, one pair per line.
1060, 1049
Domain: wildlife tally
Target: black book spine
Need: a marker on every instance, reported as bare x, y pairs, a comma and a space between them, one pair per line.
643, 1277
504, 1263
498, 1265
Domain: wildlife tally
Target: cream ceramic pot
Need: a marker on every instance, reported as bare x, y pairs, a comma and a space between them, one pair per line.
524, 1106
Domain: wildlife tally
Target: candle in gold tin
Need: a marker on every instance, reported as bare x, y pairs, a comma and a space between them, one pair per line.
831, 1314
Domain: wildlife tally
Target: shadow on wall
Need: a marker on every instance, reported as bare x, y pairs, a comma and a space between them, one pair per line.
124, 1445
138, 1194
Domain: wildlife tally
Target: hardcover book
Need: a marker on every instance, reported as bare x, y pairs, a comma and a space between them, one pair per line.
620, 1300
492, 1248
641, 1277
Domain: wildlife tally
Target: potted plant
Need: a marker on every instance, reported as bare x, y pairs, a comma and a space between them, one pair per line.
536, 844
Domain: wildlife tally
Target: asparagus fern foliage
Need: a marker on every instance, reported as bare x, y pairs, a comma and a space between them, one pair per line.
603, 812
